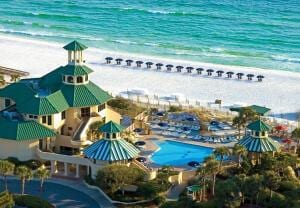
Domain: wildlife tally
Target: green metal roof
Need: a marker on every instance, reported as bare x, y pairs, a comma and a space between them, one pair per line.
84, 95
51, 104
76, 70
260, 145
75, 46
111, 150
23, 130
19, 92
111, 127
259, 126
256, 108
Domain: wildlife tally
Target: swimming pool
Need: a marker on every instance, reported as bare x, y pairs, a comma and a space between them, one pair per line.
178, 153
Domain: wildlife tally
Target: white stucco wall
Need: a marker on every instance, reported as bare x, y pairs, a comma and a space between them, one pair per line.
23, 150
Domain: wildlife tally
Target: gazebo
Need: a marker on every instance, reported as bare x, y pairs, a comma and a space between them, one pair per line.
112, 148
258, 141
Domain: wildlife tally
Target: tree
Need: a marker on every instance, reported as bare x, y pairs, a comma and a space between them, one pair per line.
6, 168
114, 177
129, 136
253, 186
24, 174
271, 180
239, 151
296, 136
203, 174
212, 166
42, 173
227, 194
222, 152
238, 122
240, 181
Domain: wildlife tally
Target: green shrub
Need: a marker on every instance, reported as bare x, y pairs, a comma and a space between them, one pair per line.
147, 190
31, 201
175, 108
159, 200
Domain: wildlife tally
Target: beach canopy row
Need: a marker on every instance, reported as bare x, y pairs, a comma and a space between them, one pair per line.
189, 69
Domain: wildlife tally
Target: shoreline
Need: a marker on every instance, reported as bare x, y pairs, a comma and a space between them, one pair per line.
278, 91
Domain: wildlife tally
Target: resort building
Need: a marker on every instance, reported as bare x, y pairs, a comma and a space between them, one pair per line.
48, 118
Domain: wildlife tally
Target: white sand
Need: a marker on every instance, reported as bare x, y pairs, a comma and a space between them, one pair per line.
279, 91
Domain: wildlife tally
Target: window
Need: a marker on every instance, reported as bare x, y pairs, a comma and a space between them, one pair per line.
107, 135
35, 117
63, 115
101, 107
70, 79
79, 79
85, 112
30, 116
7, 102
49, 120
44, 119
263, 133
114, 135
257, 133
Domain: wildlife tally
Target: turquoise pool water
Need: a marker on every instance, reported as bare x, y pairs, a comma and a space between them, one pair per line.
177, 153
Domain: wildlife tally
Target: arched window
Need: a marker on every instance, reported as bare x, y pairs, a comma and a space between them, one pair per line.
70, 79
79, 79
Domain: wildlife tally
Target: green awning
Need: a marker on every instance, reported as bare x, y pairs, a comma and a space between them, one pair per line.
256, 108
111, 127
75, 46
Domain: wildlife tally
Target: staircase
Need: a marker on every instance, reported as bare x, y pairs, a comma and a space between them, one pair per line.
82, 125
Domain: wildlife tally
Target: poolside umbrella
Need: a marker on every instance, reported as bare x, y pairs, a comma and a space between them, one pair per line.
281, 128
229, 74
179, 68
260, 77
128, 62
119, 60
250, 76
158, 66
209, 72
199, 70
193, 164
220, 72
108, 60
149, 64
287, 141
169, 67
141, 159
189, 69
139, 63
239, 75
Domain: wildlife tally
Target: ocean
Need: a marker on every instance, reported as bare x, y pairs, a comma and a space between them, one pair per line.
253, 33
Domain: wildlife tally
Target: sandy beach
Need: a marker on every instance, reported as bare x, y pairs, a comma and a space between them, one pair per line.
279, 90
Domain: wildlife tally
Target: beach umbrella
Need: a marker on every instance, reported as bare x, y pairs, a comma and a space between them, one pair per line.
149, 64
260, 78
199, 70
108, 60
220, 72
209, 72
158, 66
239, 75
229, 74
169, 67
140, 143
189, 69
281, 128
119, 60
193, 164
250, 76
128, 62
139, 63
179, 68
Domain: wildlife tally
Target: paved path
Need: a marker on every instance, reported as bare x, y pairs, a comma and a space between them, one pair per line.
63, 193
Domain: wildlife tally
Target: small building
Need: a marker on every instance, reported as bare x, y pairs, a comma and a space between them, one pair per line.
258, 141
112, 148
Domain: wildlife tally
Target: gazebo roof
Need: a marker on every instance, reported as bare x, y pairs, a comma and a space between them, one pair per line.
261, 110
259, 126
111, 127
111, 150
75, 46
253, 144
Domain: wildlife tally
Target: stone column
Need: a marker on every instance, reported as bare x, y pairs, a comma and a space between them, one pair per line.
77, 171
65, 169
53, 167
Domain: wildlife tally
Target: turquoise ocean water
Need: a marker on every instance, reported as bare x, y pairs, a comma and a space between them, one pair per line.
255, 33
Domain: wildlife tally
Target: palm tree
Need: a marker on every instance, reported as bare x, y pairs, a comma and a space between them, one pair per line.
221, 152
42, 173
203, 174
24, 174
212, 166
296, 136
129, 136
238, 122
239, 151
6, 168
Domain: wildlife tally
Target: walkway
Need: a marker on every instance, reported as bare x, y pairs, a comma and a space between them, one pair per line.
63, 193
